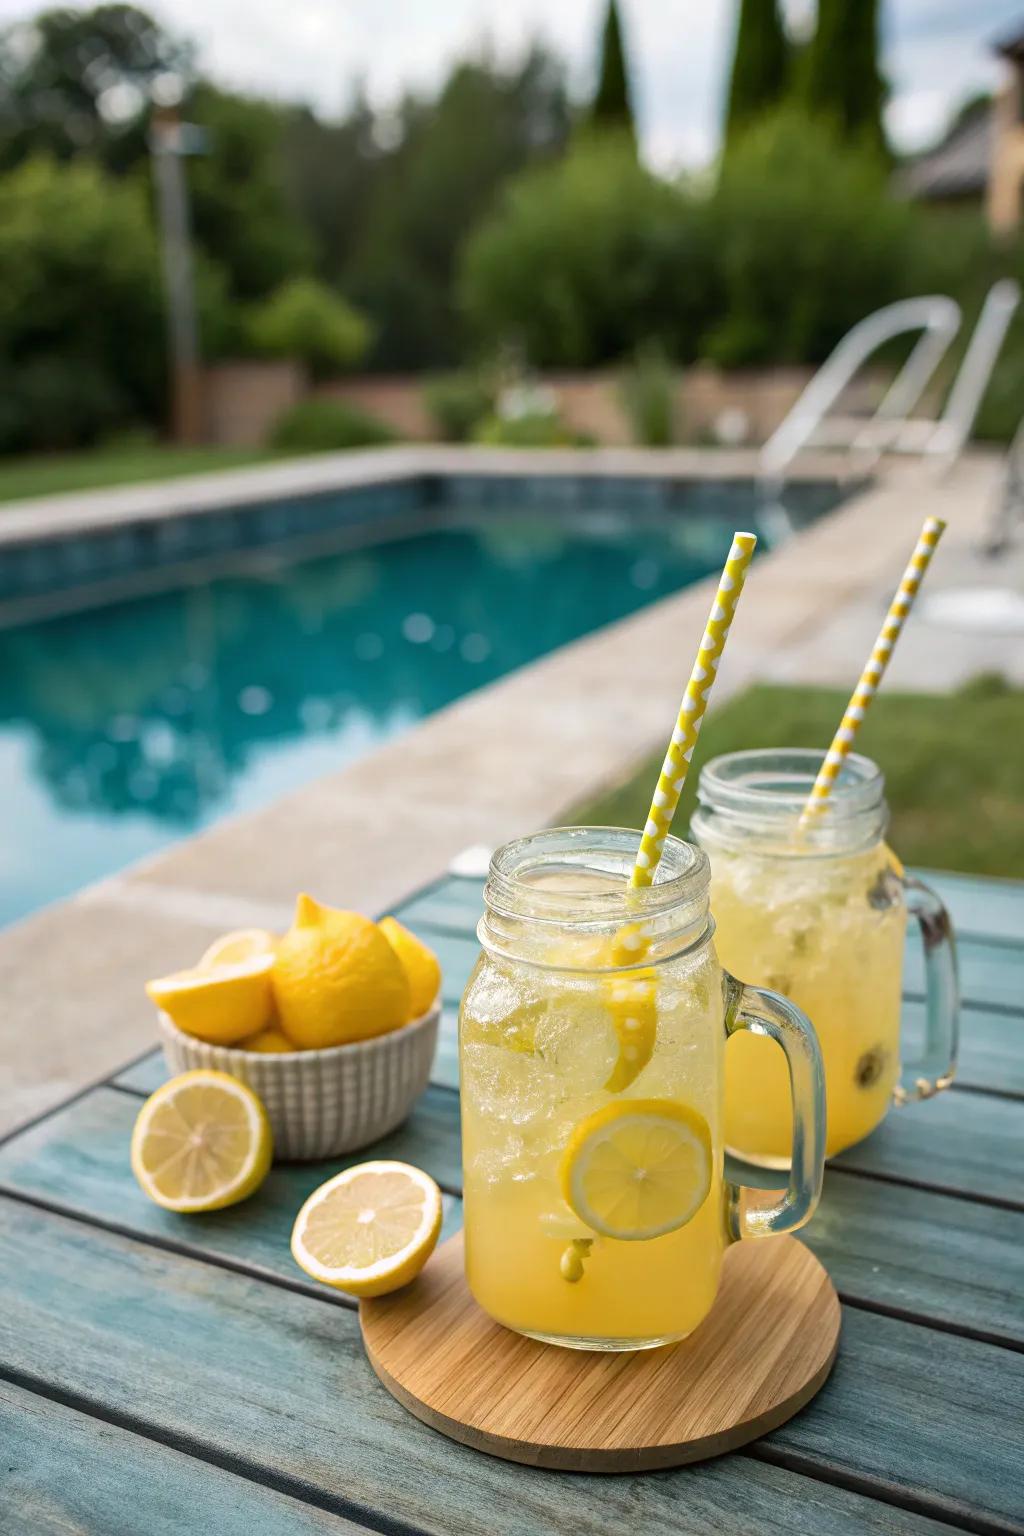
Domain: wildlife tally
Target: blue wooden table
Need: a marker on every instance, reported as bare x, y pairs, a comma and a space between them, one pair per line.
171, 1374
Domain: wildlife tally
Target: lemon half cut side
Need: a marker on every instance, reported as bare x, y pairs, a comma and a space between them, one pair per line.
201, 1142
638, 1168
370, 1229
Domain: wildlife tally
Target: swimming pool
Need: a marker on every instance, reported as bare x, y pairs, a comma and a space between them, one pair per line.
126, 726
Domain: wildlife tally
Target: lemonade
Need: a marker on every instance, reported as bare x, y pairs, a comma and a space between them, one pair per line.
542, 1037
818, 912
828, 933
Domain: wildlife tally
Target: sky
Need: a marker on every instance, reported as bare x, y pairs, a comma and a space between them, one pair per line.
935, 53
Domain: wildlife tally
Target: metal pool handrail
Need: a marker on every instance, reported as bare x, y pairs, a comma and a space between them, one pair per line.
892, 429
938, 320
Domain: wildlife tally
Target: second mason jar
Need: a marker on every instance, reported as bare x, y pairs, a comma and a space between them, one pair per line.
591, 1040
818, 911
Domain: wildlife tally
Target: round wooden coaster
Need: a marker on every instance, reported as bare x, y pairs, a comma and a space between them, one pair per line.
761, 1353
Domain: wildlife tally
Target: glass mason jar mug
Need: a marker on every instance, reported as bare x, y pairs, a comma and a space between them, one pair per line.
819, 913
592, 1036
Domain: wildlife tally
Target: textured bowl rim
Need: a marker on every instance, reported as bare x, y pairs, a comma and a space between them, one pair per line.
326, 1053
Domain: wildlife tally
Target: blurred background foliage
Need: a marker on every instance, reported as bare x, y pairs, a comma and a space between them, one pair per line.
497, 218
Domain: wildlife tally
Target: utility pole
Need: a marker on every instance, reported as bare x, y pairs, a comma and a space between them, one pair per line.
169, 142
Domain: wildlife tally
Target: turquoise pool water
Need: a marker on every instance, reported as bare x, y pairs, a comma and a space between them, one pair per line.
126, 727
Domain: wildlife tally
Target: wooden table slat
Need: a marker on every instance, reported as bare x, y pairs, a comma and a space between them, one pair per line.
988, 908
962, 1143
248, 1367
877, 1240
169, 1325
66, 1473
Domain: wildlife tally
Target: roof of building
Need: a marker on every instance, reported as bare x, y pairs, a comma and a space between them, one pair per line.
958, 167
1011, 43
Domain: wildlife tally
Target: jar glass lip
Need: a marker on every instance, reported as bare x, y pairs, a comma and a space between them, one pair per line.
777, 781
681, 878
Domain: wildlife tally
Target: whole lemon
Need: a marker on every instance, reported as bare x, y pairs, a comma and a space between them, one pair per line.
271, 1041
419, 963
336, 978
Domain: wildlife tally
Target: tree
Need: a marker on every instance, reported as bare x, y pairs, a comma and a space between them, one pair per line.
449, 162
81, 324
760, 66
843, 81
330, 173
304, 319
241, 214
586, 259
808, 241
612, 106
79, 82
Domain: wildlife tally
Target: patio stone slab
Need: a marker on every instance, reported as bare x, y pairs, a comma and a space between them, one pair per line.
72, 979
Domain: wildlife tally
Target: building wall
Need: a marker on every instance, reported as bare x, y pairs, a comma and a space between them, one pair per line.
1007, 171
244, 399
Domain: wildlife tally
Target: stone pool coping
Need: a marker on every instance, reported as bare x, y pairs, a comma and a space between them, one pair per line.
42, 517
496, 763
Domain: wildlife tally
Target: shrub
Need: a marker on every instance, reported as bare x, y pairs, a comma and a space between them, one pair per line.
808, 240
586, 258
647, 390
320, 424
81, 315
1002, 407
533, 430
306, 320
458, 402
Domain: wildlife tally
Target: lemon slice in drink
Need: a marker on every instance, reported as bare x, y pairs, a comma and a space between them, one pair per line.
201, 1142
638, 1169
370, 1229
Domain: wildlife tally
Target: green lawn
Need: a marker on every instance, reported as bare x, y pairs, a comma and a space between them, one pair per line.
954, 767
50, 474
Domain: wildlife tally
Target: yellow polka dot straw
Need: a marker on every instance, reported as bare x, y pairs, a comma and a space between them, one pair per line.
872, 674
691, 710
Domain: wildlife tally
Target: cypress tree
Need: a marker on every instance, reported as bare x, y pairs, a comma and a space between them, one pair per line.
843, 80
612, 106
760, 65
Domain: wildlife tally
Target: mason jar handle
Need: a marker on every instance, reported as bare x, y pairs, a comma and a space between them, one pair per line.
936, 1067
754, 1212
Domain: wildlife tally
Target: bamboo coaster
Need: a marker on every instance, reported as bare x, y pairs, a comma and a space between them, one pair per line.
762, 1352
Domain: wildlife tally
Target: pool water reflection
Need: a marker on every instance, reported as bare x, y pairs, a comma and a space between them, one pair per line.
124, 728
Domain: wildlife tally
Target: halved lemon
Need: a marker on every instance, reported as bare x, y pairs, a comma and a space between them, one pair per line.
242, 944
222, 1004
638, 1169
201, 1142
370, 1229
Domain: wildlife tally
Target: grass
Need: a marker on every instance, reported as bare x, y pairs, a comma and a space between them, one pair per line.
952, 766
51, 474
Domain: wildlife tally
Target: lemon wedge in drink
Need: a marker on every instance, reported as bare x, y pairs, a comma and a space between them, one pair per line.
632, 1003
242, 944
221, 1004
638, 1168
201, 1142
370, 1229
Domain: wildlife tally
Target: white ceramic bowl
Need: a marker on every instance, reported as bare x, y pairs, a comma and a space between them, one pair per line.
323, 1103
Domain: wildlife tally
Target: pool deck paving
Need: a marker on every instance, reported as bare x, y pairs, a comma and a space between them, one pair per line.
513, 756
